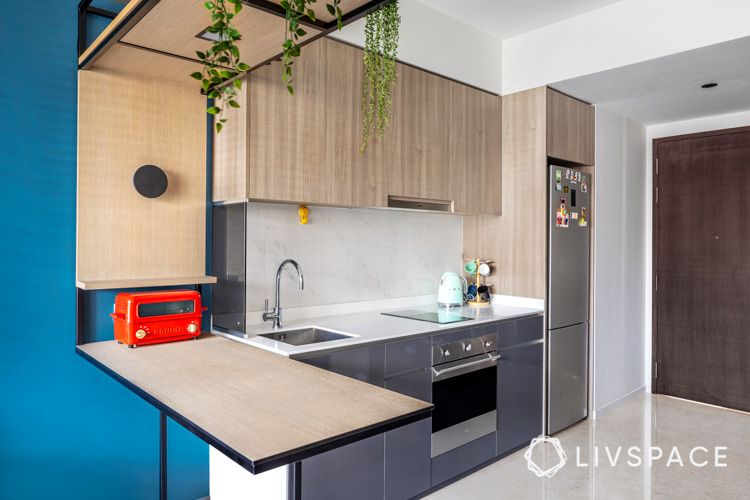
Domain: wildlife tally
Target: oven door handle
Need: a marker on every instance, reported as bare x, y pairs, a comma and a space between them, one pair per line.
445, 371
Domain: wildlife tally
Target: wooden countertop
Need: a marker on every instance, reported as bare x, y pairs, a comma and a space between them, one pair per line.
260, 409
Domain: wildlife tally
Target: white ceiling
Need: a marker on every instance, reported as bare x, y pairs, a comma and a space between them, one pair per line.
668, 88
508, 18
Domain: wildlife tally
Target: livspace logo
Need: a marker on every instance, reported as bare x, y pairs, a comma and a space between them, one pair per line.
632, 456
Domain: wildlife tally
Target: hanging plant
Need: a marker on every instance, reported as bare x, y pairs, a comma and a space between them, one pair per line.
379, 58
295, 11
221, 62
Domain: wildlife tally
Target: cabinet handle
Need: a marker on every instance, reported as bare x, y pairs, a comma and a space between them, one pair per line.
489, 359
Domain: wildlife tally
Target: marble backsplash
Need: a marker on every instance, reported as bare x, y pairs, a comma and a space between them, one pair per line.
348, 255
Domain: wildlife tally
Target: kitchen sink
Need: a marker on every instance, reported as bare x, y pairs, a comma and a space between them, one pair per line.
305, 336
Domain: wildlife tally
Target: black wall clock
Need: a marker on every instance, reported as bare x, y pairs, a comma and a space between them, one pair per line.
150, 181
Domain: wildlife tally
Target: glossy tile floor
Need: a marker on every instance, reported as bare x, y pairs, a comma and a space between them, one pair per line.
643, 421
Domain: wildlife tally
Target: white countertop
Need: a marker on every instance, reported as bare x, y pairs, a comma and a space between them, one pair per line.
373, 327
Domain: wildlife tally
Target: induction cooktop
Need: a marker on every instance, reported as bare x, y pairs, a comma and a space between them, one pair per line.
441, 316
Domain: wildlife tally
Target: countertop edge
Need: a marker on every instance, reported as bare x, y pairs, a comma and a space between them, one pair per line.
268, 463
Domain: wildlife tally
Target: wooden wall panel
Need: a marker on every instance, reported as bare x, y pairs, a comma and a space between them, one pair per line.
516, 241
123, 123
570, 128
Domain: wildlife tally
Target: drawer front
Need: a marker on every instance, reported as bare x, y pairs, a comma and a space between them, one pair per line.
366, 364
407, 356
512, 333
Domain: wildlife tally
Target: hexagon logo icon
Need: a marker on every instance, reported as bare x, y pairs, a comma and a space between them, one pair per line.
551, 471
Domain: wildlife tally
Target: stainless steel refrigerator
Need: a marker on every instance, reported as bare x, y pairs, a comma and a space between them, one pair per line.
568, 297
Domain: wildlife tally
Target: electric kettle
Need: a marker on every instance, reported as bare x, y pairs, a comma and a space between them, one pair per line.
451, 290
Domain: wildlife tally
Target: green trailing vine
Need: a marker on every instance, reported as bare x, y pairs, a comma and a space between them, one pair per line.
295, 11
221, 62
379, 58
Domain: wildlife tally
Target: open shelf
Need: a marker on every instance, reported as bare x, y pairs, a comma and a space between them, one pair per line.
158, 38
144, 282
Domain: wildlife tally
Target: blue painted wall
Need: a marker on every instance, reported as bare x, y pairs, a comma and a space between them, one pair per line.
66, 429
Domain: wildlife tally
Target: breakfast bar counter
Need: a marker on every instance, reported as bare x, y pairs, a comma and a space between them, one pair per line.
259, 409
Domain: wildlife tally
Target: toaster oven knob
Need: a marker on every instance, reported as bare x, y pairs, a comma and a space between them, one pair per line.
487, 343
140, 333
192, 328
467, 348
446, 353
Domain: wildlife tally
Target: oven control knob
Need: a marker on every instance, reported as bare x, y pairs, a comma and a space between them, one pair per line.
446, 353
140, 333
467, 347
192, 328
487, 343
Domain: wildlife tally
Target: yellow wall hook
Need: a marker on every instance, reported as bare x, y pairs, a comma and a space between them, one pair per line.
303, 212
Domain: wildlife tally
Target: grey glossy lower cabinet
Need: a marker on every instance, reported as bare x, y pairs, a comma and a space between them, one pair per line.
407, 460
519, 394
352, 471
397, 465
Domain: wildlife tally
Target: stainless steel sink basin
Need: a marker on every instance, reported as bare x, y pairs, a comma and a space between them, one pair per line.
304, 336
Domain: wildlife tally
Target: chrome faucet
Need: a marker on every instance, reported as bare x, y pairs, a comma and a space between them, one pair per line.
275, 316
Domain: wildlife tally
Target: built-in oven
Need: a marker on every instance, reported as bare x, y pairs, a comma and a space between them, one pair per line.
464, 392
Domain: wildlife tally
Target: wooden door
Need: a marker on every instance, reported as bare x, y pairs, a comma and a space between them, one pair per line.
702, 267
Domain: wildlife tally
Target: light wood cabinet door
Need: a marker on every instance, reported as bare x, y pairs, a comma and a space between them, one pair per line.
570, 129
476, 151
287, 134
357, 177
419, 160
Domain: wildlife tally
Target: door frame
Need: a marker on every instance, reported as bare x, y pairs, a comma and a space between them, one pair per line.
655, 232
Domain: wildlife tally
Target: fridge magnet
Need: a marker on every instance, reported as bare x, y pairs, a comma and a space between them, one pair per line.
566, 189
582, 222
558, 180
562, 215
574, 215
584, 187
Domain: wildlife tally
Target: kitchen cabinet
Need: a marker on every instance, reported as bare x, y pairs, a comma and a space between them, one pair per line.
407, 460
570, 129
366, 364
539, 126
520, 394
352, 471
476, 152
443, 143
420, 163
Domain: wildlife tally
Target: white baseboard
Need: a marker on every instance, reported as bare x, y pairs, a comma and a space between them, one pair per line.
617, 402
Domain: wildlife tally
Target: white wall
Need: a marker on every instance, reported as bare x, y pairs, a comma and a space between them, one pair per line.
706, 124
619, 262
622, 33
436, 42
348, 255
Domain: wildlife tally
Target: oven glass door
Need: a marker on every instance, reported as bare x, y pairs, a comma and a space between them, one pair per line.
465, 409
463, 397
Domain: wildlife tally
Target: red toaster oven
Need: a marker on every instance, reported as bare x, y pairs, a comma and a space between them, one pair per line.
143, 318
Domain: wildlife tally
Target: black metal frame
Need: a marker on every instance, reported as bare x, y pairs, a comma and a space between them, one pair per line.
84, 8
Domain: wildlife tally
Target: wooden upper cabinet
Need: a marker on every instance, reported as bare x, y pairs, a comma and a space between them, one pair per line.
570, 129
443, 142
476, 152
419, 163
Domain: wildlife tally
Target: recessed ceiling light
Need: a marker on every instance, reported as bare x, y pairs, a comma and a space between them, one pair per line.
206, 35
709, 85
